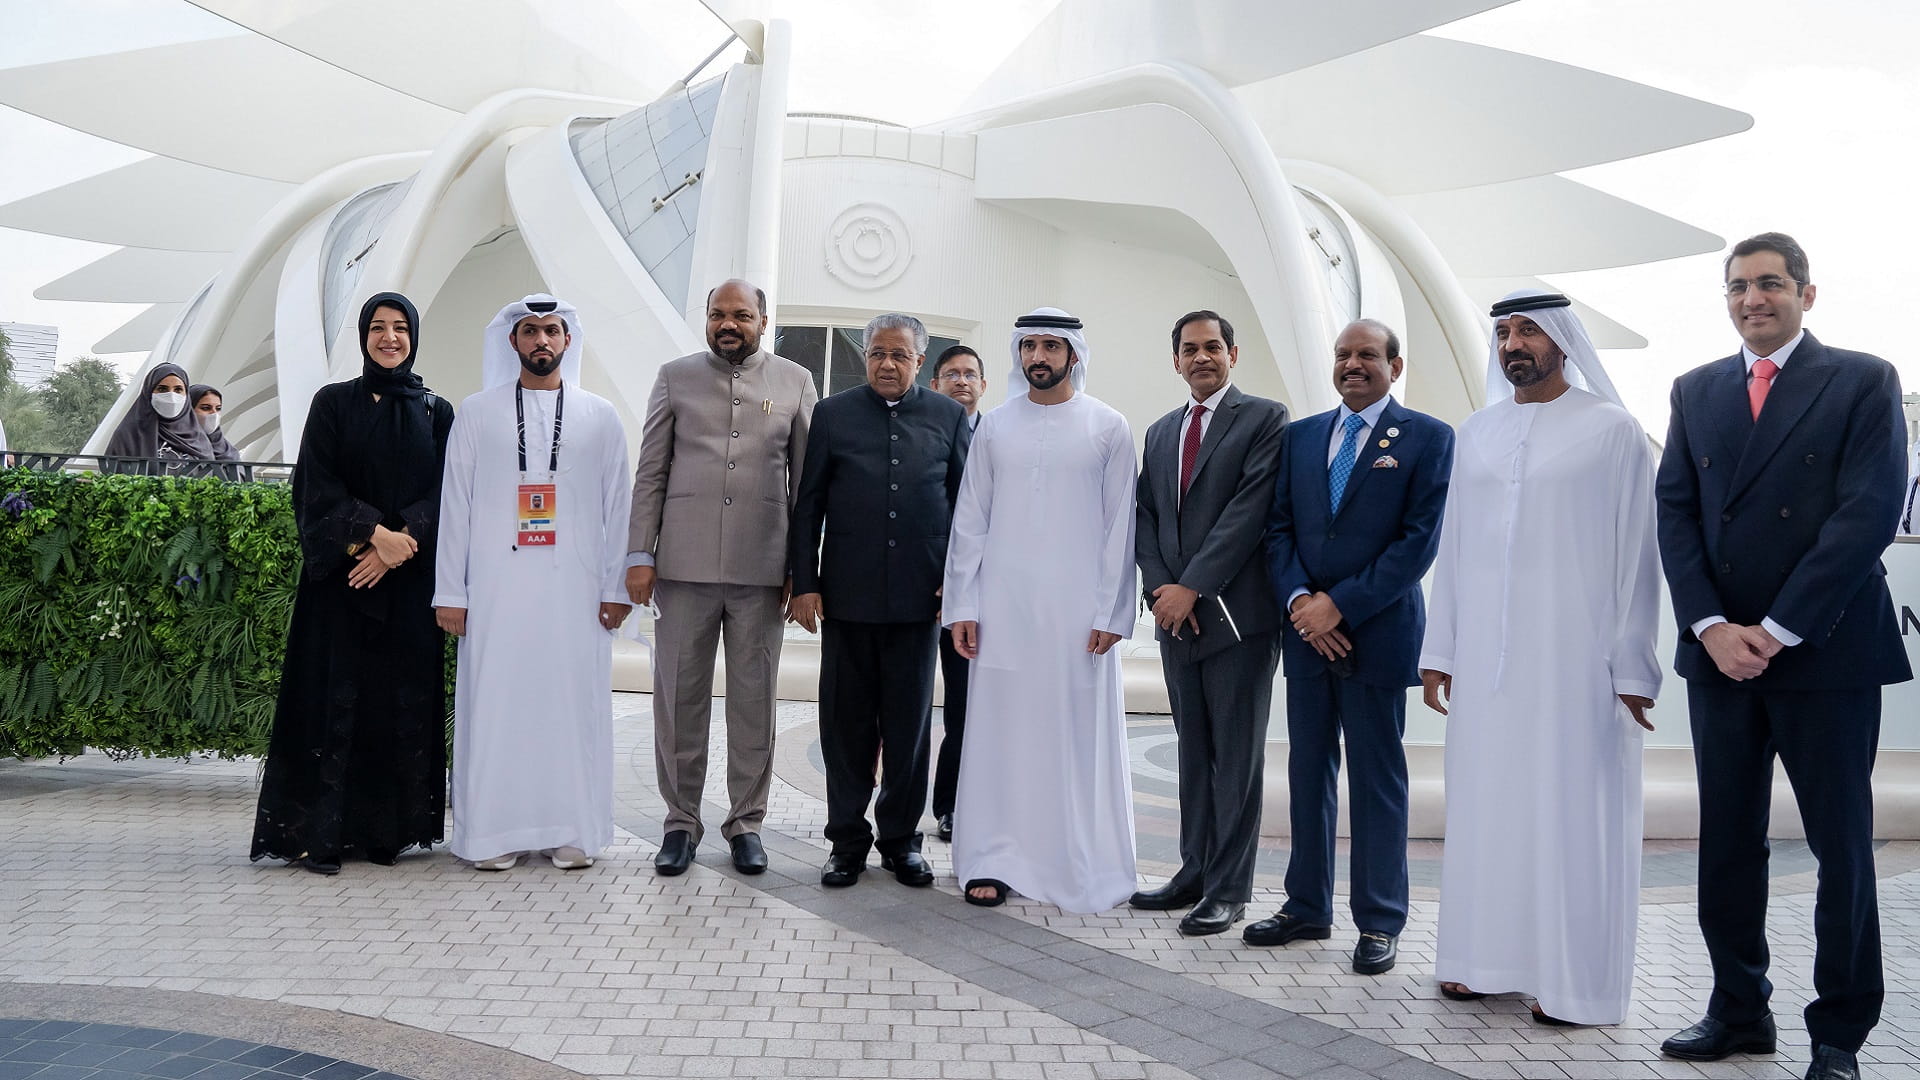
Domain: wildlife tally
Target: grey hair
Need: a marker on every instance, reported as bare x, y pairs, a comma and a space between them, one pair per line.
893, 320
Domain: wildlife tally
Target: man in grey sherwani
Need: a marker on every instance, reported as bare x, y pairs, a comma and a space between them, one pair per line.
720, 455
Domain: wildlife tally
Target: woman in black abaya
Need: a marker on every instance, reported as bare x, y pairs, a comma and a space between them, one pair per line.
357, 762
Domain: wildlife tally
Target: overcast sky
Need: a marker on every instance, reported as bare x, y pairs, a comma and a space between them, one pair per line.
1833, 89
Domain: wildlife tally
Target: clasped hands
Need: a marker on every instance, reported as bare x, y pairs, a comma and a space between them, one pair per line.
1740, 652
385, 550
1316, 618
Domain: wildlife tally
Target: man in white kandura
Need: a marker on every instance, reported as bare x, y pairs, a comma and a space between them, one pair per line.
531, 558
1039, 588
1541, 640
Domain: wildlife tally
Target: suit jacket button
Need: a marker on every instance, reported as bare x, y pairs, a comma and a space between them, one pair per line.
736, 434
736, 401
1726, 568
728, 501
1809, 459
1329, 534
893, 513
893, 487
891, 543
729, 464
1706, 463
1726, 517
1786, 512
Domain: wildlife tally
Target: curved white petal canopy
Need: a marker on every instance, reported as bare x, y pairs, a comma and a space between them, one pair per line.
1502, 116
244, 104
137, 276
1547, 225
458, 53
142, 332
1081, 38
157, 202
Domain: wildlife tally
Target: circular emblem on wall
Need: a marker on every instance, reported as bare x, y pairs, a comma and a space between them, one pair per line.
868, 246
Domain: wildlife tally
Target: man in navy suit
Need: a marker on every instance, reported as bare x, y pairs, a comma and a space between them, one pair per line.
1779, 490
1205, 478
1354, 525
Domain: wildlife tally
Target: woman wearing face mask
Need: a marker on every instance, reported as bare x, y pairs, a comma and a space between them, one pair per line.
206, 403
356, 766
159, 425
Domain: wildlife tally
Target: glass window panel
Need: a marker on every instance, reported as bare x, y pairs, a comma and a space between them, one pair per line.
849, 361
806, 346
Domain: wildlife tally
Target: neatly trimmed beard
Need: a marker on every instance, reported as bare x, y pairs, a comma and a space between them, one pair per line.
733, 354
1534, 373
537, 367
1051, 379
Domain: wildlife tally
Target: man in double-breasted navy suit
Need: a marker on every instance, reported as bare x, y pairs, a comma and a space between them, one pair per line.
1205, 478
1354, 525
882, 470
1779, 490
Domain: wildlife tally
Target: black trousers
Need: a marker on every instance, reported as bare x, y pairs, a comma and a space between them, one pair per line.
1220, 707
1826, 740
876, 702
953, 721
1320, 709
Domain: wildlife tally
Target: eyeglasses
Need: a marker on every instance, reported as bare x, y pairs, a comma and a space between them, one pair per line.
1771, 285
962, 376
898, 356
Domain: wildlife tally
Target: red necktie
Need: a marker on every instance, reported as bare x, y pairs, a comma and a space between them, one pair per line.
1762, 381
1190, 447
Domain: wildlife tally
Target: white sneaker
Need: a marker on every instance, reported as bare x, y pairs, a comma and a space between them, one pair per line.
504, 862
570, 858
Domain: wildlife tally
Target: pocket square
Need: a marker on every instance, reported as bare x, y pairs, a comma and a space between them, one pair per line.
1385, 461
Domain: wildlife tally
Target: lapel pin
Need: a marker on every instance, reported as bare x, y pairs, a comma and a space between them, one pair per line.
1384, 444
1393, 433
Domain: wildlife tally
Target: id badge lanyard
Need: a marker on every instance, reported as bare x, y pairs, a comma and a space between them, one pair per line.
538, 514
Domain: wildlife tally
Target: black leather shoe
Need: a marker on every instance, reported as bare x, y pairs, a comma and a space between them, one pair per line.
1211, 916
749, 857
909, 868
676, 854
843, 870
1375, 953
946, 827
1833, 1064
1283, 928
1166, 898
1711, 1040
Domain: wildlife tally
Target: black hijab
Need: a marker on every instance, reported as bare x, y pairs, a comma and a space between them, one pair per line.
145, 433
393, 463
399, 380
217, 438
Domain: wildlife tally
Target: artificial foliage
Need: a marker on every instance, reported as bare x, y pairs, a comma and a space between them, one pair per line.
142, 615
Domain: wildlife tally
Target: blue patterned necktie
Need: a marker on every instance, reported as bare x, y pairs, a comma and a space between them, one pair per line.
1342, 466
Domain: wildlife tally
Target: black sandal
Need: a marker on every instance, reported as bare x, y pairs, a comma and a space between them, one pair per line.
1000, 891
1462, 994
1540, 1017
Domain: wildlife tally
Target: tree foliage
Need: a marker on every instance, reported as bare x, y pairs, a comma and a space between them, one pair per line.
76, 398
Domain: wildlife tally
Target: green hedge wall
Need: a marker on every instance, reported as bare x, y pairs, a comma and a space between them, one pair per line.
141, 615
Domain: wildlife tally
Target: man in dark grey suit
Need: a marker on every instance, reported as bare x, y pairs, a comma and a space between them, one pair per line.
882, 470
959, 374
720, 454
1206, 479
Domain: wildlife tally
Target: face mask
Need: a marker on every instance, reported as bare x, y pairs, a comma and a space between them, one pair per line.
169, 405
209, 422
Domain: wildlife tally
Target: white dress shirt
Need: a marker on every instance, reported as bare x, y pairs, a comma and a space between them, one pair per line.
1369, 416
1781, 634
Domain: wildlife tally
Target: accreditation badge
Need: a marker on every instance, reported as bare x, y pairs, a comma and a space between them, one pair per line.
538, 525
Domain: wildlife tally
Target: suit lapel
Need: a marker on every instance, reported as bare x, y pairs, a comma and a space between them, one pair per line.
1167, 447
1795, 389
1381, 440
1217, 429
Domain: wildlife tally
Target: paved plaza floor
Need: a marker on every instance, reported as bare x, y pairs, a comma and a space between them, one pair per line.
136, 940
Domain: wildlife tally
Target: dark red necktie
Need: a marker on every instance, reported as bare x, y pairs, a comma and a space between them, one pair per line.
1762, 381
1190, 447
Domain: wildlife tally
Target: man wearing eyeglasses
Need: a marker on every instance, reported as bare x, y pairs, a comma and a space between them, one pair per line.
959, 375
881, 473
1779, 490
